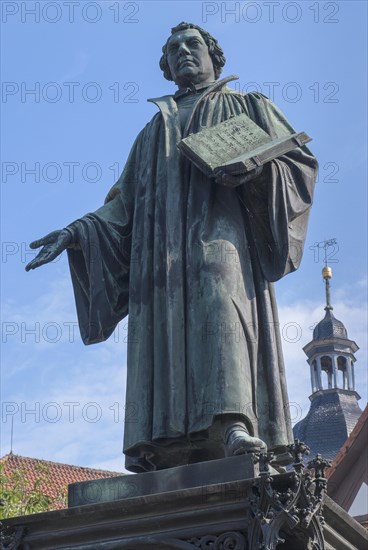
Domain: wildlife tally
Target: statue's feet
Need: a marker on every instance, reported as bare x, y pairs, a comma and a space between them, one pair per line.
238, 441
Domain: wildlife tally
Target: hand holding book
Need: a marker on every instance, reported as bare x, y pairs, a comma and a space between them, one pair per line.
236, 147
224, 178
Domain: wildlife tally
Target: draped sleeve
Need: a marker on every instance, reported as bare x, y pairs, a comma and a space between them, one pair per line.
100, 261
278, 201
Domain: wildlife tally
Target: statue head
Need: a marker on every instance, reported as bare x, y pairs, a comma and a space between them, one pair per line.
211, 55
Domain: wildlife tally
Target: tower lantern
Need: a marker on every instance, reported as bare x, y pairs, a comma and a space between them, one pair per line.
334, 399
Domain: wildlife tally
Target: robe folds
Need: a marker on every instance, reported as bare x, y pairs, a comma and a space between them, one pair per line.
193, 263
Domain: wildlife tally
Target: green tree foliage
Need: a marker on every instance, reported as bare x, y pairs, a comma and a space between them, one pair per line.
20, 497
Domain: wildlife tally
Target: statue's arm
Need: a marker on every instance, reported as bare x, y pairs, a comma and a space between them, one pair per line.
115, 207
117, 210
278, 202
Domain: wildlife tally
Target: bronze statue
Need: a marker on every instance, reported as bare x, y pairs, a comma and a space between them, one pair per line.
192, 260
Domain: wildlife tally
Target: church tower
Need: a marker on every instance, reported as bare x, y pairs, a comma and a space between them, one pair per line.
334, 409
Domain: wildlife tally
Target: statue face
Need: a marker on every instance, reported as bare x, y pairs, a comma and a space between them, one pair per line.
188, 58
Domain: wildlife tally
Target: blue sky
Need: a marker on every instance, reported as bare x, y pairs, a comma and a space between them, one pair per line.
92, 71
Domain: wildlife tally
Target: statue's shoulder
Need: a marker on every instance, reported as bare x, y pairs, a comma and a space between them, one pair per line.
148, 129
252, 102
249, 97
255, 96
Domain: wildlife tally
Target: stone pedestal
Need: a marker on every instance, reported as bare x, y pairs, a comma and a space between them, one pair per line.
269, 512
201, 474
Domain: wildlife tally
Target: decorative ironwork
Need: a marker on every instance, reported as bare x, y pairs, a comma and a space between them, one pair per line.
226, 541
298, 449
230, 540
10, 537
296, 509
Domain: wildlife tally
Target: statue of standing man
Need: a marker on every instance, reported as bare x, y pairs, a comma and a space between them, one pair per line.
192, 260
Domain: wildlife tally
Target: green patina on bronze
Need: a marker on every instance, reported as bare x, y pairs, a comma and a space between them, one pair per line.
193, 263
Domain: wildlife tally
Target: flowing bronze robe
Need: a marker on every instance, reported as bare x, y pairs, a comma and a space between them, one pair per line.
193, 262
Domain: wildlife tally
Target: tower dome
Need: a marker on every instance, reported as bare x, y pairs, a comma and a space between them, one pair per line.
329, 327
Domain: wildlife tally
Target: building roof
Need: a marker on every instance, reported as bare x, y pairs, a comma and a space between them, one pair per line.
329, 327
331, 418
349, 468
59, 475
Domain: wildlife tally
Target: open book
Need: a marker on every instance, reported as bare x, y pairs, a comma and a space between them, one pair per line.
236, 146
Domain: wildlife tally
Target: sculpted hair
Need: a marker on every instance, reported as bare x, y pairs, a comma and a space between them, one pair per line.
214, 49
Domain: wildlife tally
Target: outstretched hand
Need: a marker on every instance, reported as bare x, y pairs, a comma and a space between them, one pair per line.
53, 244
223, 178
